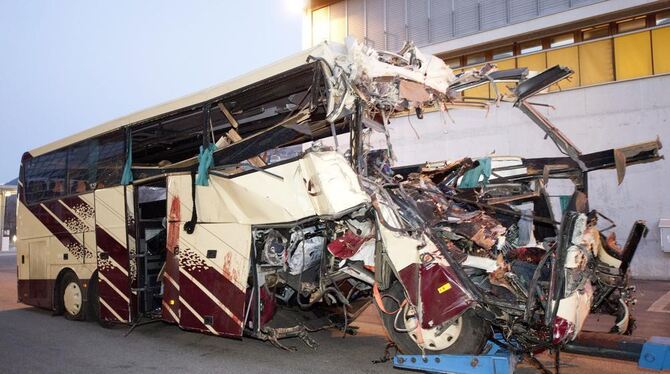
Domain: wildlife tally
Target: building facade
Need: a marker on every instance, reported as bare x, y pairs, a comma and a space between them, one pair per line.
8, 216
618, 95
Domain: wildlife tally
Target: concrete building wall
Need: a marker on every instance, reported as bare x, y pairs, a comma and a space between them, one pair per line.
595, 118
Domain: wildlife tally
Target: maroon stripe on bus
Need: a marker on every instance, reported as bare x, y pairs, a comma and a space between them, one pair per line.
117, 278
71, 221
189, 321
115, 305
76, 203
205, 306
222, 289
36, 292
109, 244
56, 229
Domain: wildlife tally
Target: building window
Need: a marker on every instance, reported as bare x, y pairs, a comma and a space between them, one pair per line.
503, 52
663, 18
631, 24
595, 32
530, 47
475, 59
561, 40
453, 62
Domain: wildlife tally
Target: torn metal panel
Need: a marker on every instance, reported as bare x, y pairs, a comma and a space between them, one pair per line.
532, 86
314, 229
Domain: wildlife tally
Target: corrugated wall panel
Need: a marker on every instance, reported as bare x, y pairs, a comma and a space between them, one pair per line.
585, 2
521, 10
355, 20
553, 6
396, 33
375, 23
493, 13
440, 21
417, 21
466, 17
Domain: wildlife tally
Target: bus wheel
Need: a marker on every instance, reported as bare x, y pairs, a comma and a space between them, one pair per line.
72, 296
467, 335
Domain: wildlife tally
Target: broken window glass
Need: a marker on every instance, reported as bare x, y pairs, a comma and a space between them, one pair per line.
111, 154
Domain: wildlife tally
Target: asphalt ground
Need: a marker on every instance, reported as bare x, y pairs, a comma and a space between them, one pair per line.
32, 340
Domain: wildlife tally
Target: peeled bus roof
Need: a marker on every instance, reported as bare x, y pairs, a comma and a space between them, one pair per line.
254, 76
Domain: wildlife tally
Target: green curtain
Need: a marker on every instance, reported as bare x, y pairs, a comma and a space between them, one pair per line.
127, 177
471, 177
206, 160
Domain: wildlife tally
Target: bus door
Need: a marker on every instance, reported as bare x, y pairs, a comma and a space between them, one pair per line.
114, 270
207, 266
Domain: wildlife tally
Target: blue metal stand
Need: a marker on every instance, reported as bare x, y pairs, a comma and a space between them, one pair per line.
655, 354
497, 360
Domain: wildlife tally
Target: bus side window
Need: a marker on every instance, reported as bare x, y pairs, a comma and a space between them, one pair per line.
111, 151
45, 176
81, 167
36, 190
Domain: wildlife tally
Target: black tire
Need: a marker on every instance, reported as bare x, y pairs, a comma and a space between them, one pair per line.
72, 297
470, 340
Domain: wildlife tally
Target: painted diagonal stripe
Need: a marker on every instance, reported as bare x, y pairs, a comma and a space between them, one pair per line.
81, 209
116, 264
116, 250
211, 296
53, 225
110, 284
198, 316
215, 267
169, 278
111, 310
167, 307
66, 217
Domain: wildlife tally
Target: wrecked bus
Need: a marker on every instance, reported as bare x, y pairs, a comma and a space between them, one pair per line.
224, 213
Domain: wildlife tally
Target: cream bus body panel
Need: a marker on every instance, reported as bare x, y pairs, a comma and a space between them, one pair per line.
53, 236
214, 260
258, 198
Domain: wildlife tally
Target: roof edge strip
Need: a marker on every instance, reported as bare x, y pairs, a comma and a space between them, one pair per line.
194, 99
